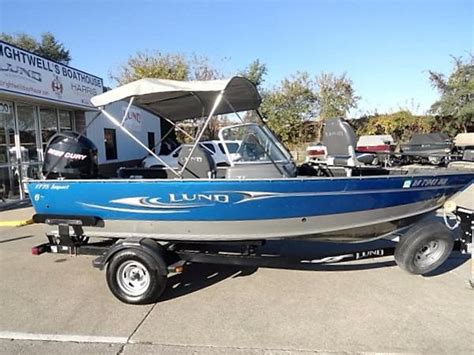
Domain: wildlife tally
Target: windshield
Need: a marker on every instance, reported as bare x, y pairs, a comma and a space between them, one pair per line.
258, 145
231, 147
282, 148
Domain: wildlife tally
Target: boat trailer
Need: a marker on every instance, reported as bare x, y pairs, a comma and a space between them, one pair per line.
137, 268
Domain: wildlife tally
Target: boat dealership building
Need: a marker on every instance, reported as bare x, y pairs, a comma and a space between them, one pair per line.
40, 97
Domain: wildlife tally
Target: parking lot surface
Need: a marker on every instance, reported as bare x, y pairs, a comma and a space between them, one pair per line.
58, 304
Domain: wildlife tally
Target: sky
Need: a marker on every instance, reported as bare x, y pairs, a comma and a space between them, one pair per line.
386, 47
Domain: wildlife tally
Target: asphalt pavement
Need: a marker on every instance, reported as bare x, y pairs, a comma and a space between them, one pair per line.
59, 304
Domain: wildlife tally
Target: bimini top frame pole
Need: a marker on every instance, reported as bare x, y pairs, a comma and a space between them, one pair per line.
206, 123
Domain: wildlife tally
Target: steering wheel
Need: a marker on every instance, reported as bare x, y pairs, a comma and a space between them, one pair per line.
250, 149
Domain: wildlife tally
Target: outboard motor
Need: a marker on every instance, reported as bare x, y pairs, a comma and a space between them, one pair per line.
71, 156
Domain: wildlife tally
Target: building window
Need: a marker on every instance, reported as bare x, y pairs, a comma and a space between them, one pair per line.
110, 141
65, 121
49, 124
27, 129
151, 141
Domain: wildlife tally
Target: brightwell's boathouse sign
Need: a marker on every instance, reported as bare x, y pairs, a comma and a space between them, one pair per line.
22, 72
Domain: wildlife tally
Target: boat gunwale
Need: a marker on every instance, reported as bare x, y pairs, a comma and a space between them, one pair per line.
293, 179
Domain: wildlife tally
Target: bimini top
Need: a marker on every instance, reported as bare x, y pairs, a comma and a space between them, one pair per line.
179, 100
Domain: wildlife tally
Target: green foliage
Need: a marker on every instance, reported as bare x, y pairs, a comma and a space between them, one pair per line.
289, 105
47, 47
455, 108
165, 66
293, 107
335, 95
153, 65
401, 125
202, 69
296, 108
255, 72
172, 67
21, 40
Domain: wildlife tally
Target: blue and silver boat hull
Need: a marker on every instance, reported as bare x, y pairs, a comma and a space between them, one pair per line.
338, 209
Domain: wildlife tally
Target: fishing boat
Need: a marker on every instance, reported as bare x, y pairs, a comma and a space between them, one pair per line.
260, 195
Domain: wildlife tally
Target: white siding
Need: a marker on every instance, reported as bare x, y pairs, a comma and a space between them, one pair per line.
139, 122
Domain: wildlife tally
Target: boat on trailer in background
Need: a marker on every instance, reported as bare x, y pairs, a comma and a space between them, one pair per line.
152, 218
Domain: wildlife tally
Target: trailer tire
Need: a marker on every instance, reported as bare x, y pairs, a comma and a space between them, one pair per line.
424, 248
133, 277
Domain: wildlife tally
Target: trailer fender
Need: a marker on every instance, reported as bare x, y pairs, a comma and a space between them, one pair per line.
149, 246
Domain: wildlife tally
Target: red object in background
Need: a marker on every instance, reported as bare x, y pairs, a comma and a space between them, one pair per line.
382, 148
315, 152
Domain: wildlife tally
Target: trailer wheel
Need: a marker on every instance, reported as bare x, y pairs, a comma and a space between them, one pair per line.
133, 277
424, 248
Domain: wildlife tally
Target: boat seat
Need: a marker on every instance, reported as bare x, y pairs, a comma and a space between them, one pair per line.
201, 165
340, 141
365, 158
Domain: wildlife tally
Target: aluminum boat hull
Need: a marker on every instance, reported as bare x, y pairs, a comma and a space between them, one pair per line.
337, 209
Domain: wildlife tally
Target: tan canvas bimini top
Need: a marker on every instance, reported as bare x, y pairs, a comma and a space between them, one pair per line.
179, 100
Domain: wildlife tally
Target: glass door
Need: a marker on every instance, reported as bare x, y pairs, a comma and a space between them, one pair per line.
28, 148
9, 185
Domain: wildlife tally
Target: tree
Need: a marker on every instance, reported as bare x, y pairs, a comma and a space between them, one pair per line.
202, 69
288, 106
171, 66
255, 72
159, 65
152, 65
336, 95
297, 108
455, 108
47, 47
52, 49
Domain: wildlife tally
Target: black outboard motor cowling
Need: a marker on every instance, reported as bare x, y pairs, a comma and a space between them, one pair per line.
71, 156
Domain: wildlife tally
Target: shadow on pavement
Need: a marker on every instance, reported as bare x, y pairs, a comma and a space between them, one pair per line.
16, 238
197, 276
200, 276
8, 205
454, 261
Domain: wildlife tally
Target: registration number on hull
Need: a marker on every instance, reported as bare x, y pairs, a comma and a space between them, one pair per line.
425, 182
